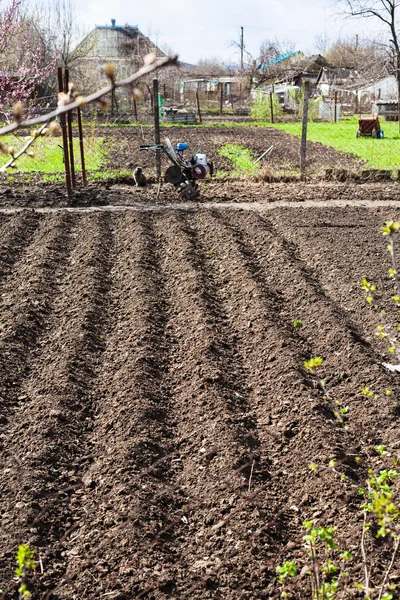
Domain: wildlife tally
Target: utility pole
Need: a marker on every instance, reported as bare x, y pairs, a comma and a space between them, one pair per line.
241, 48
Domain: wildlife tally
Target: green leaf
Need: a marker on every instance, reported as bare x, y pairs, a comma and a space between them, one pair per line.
390, 227
313, 363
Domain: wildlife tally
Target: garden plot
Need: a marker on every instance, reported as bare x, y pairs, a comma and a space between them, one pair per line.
122, 145
157, 422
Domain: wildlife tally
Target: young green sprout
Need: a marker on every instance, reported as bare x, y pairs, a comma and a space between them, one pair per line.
313, 363
25, 564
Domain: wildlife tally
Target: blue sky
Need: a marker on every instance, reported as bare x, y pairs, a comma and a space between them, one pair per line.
206, 28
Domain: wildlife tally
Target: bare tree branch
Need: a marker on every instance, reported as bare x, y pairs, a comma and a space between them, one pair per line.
23, 150
96, 96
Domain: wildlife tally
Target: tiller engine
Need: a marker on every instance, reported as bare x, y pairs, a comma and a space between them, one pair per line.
183, 174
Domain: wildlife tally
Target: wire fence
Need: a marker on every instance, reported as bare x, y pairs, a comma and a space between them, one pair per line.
305, 137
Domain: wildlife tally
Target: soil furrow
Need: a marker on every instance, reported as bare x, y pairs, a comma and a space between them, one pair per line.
354, 362
15, 234
132, 467
292, 417
216, 423
58, 403
26, 302
27, 305
157, 423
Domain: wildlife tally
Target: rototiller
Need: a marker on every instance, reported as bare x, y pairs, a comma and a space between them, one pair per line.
183, 174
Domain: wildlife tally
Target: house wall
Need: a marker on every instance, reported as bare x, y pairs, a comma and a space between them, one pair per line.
385, 89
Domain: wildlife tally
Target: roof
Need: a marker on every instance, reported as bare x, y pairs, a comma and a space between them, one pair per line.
212, 79
302, 66
335, 73
111, 40
277, 60
120, 27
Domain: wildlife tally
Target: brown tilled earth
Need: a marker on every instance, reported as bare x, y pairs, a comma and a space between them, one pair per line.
123, 144
156, 421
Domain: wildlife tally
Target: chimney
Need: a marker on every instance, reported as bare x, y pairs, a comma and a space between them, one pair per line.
113, 23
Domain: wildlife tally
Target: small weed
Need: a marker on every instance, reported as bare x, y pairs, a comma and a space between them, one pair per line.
324, 562
386, 330
25, 565
241, 158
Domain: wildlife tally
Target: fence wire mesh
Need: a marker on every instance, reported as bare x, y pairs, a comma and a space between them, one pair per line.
234, 132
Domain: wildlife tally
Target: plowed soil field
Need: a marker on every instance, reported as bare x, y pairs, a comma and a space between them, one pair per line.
156, 420
122, 145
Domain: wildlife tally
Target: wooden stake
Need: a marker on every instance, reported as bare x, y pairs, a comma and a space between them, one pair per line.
271, 101
157, 127
336, 103
135, 110
159, 188
221, 97
69, 129
198, 106
64, 137
303, 148
81, 147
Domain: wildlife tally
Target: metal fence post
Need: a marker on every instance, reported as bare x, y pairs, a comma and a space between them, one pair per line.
157, 127
303, 148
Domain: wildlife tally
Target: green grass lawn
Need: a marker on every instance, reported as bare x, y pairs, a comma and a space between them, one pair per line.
48, 154
378, 153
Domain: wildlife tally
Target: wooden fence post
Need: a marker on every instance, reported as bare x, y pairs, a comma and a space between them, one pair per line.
303, 148
271, 101
221, 97
69, 127
157, 127
198, 106
336, 103
81, 147
64, 137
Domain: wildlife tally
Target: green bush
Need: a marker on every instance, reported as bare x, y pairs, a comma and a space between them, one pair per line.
261, 107
313, 103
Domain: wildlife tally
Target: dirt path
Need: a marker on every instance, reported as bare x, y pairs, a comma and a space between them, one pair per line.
247, 206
